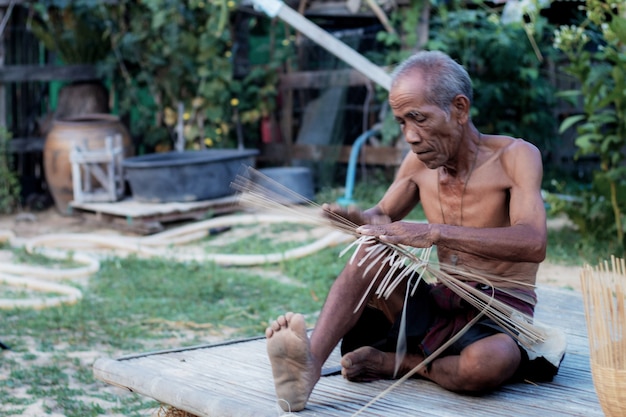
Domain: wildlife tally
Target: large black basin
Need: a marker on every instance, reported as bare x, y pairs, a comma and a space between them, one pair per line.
185, 176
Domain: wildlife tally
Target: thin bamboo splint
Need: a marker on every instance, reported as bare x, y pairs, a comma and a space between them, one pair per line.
405, 264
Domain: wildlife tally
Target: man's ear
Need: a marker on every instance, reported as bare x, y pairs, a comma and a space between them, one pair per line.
461, 108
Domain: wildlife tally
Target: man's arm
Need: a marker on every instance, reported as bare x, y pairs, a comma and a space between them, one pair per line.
399, 199
523, 241
403, 194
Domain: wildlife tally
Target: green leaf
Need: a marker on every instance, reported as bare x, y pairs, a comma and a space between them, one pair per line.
570, 121
618, 77
606, 117
618, 26
586, 142
569, 94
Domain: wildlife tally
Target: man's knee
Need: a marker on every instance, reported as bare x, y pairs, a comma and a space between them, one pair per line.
488, 363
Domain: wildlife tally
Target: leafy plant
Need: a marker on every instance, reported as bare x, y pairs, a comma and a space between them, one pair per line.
588, 207
170, 52
512, 93
10, 188
70, 29
257, 90
176, 63
399, 45
596, 50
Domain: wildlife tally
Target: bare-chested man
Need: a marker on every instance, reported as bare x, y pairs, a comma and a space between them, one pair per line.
481, 196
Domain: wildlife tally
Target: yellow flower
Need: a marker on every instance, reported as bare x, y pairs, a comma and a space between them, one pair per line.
230, 4
218, 131
208, 142
170, 117
234, 102
186, 115
197, 102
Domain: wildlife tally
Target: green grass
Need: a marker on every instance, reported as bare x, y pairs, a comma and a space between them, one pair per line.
127, 296
567, 247
137, 305
263, 239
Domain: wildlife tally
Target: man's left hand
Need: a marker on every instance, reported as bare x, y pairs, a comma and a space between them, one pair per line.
418, 235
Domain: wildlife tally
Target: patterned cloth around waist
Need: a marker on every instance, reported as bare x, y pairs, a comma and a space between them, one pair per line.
452, 312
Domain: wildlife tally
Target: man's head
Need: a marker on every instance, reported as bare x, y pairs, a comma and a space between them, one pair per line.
444, 78
430, 98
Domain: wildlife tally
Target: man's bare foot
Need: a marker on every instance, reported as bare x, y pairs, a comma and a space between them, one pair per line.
369, 364
294, 369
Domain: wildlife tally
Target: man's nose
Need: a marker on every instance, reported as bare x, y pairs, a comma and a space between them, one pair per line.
411, 136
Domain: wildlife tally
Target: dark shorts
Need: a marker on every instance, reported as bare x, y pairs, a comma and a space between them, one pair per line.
373, 329
429, 325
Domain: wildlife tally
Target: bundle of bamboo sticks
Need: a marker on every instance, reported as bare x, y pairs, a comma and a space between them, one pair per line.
604, 294
397, 263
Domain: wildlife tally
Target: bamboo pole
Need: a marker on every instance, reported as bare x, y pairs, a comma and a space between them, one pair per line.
276, 8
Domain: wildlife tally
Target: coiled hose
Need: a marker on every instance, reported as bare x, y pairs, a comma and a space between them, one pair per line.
77, 246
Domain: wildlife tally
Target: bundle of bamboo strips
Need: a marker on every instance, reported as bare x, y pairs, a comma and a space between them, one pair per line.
398, 263
604, 294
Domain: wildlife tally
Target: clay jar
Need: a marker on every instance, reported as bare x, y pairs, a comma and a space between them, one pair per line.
87, 130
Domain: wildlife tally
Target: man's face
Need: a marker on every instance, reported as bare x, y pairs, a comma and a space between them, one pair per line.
433, 135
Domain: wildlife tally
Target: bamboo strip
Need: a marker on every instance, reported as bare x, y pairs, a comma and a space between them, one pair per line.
401, 263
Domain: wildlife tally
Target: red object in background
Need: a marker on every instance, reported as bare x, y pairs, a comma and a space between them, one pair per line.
270, 133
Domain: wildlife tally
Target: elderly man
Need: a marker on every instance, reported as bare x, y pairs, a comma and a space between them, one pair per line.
481, 197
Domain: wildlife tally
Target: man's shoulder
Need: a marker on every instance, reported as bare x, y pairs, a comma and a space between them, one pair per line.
509, 145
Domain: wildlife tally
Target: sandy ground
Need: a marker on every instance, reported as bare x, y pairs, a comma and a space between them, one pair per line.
27, 225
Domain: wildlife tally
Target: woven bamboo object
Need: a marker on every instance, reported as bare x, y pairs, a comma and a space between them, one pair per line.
604, 294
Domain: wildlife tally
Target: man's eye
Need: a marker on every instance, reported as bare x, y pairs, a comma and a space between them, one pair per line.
417, 117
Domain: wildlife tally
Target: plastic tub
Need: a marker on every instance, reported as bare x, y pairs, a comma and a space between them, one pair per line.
185, 176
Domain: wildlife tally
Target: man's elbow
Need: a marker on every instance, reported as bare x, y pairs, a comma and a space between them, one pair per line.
537, 251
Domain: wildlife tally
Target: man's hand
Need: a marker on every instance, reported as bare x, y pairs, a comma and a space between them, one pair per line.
417, 235
354, 215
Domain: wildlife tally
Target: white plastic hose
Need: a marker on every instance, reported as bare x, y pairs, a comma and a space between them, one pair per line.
74, 246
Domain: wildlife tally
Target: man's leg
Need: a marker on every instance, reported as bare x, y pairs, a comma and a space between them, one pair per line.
296, 358
482, 366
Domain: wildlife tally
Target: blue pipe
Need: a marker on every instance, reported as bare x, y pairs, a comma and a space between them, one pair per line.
347, 199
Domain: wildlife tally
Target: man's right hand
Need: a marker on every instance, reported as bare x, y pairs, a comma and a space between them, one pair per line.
354, 215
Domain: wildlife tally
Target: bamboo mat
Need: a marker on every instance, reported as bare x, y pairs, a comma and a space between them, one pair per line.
234, 379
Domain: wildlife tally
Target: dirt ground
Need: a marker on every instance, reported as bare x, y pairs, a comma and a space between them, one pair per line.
27, 225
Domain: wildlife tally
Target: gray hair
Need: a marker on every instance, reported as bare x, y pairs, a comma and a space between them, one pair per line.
444, 78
